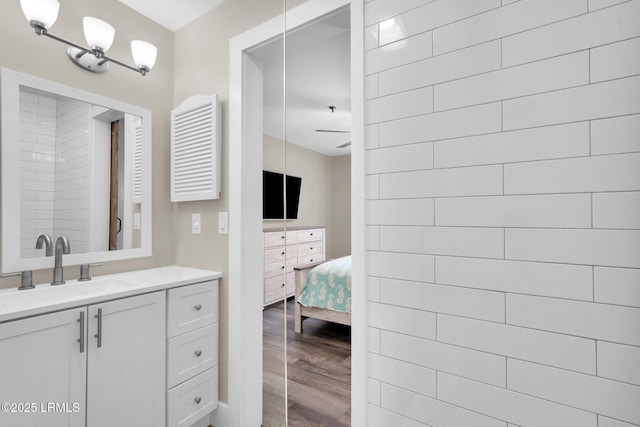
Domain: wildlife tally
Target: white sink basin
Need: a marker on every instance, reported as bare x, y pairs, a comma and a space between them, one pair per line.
48, 295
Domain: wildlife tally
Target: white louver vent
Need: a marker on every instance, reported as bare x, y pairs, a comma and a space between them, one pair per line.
195, 149
137, 162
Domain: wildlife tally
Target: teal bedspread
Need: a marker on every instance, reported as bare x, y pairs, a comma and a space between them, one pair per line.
329, 286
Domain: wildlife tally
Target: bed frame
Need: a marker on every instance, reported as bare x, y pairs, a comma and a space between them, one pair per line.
302, 312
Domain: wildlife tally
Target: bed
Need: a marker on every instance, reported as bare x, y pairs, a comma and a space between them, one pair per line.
323, 291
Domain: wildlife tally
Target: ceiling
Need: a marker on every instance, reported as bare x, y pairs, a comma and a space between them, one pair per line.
317, 76
172, 14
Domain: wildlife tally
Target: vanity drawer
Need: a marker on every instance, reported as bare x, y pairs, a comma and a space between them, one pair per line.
310, 235
191, 353
193, 399
192, 307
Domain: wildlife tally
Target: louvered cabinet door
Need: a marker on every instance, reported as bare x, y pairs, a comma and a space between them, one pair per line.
195, 149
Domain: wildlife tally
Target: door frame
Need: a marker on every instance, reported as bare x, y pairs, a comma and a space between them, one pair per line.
245, 225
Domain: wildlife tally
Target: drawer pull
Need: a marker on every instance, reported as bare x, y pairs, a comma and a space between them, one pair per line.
198, 353
198, 307
197, 400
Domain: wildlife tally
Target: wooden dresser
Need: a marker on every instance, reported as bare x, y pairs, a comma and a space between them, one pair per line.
302, 245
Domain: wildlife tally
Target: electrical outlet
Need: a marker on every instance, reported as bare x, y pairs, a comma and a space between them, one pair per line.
196, 224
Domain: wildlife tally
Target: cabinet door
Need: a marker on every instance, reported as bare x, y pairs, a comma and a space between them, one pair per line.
126, 357
42, 368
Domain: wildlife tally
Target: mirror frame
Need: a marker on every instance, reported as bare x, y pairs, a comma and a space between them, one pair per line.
10, 83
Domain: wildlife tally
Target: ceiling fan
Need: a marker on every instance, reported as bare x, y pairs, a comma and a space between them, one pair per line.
346, 144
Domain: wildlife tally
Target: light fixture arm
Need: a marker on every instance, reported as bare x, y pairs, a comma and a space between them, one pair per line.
41, 30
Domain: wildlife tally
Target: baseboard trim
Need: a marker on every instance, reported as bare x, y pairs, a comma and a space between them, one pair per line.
220, 417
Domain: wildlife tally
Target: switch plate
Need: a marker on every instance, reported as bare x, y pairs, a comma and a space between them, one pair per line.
196, 223
223, 222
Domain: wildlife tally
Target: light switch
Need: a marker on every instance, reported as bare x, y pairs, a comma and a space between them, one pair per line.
136, 221
196, 225
223, 222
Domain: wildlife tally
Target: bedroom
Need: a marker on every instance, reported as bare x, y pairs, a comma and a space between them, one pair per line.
317, 66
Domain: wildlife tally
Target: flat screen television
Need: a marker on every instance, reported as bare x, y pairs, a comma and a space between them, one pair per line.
272, 195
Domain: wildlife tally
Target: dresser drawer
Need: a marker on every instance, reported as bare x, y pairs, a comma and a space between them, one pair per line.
309, 259
311, 248
191, 353
192, 307
277, 238
193, 399
278, 254
273, 289
310, 235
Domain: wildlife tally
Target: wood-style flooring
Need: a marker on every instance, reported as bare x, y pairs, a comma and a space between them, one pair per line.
319, 371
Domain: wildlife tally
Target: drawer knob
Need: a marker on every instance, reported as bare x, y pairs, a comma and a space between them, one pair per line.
311, 247
282, 237
197, 400
282, 267
198, 307
198, 353
312, 234
282, 253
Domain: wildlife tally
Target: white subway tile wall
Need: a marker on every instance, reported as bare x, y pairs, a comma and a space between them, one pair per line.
503, 183
55, 164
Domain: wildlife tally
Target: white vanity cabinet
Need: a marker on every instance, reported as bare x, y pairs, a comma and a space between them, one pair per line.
104, 362
42, 364
125, 354
192, 353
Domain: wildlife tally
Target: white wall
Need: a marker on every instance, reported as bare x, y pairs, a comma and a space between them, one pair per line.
503, 246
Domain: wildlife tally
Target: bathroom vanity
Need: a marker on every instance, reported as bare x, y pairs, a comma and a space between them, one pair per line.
129, 349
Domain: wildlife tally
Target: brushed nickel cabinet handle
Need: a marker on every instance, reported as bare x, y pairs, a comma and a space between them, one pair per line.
198, 353
81, 339
99, 334
198, 307
197, 400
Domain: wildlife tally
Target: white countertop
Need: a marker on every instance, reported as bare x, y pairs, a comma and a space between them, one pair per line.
15, 304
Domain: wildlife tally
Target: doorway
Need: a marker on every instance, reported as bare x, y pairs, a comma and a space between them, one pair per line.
245, 246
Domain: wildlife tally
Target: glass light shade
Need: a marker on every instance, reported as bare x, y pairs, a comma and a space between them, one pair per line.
98, 33
144, 54
43, 11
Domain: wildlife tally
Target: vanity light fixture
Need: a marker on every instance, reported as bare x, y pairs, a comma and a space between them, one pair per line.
42, 14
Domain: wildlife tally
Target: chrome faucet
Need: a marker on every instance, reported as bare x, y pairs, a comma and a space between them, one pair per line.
62, 247
46, 240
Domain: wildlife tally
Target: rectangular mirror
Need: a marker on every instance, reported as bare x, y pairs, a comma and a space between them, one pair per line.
74, 164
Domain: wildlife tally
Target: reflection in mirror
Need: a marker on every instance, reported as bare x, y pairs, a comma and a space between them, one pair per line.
73, 158
74, 164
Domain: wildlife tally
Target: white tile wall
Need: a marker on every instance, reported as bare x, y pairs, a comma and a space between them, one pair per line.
615, 60
619, 362
483, 367
614, 98
554, 211
615, 135
520, 409
583, 319
406, 375
463, 63
532, 278
617, 286
616, 210
571, 35
537, 77
578, 390
551, 142
431, 411
519, 232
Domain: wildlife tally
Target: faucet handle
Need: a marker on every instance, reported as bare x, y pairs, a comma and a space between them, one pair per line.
84, 273
27, 280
